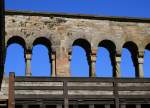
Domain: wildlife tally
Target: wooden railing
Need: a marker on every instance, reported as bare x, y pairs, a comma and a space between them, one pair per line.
115, 91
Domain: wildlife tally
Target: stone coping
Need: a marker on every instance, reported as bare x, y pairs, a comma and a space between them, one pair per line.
79, 16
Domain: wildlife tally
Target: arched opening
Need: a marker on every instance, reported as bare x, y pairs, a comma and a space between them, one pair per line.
15, 61
147, 61
80, 62
129, 61
41, 58
105, 62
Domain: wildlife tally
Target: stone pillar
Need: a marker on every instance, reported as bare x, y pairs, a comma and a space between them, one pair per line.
141, 70
93, 64
53, 67
118, 61
62, 62
28, 63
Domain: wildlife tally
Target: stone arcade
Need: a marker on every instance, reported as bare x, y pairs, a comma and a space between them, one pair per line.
59, 32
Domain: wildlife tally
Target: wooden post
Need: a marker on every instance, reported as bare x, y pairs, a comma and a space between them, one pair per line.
2, 39
11, 96
66, 103
116, 94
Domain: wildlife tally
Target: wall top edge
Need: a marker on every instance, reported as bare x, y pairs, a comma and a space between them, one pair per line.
79, 16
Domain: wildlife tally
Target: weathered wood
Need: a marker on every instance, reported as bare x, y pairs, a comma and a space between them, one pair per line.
70, 85
66, 101
11, 98
116, 94
38, 96
38, 87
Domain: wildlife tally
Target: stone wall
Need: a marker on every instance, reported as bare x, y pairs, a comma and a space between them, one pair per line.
4, 89
60, 32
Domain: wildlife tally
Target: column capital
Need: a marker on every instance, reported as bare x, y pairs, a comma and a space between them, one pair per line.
93, 57
53, 55
94, 51
140, 60
28, 54
118, 59
141, 54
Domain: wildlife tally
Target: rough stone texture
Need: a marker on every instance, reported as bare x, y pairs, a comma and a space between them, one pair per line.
62, 31
4, 89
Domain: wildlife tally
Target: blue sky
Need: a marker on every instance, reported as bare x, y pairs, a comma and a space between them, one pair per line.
79, 66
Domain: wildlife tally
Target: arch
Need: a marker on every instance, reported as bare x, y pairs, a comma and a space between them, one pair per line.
18, 42
133, 49
110, 46
17, 39
147, 47
83, 43
43, 45
15, 61
44, 41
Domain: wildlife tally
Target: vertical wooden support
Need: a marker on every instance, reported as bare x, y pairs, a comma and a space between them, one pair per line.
116, 94
2, 39
11, 96
65, 92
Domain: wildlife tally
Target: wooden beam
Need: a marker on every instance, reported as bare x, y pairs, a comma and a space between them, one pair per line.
11, 95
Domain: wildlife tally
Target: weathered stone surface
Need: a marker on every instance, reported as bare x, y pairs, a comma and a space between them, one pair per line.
62, 31
4, 89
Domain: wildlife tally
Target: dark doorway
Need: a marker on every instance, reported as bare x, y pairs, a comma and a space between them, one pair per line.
130, 106
99, 106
